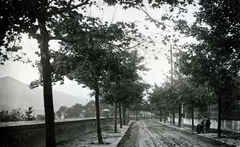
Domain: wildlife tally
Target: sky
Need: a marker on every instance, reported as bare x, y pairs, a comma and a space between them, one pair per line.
158, 68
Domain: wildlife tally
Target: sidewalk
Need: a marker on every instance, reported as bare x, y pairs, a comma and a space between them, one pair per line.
227, 138
110, 138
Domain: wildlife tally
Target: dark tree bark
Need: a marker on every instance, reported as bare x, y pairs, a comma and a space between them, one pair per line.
115, 118
144, 115
99, 133
128, 116
219, 115
47, 85
136, 115
192, 117
179, 115
173, 114
165, 117
120, 114
124, 115
160, 115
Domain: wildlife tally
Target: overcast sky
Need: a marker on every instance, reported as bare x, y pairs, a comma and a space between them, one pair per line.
158, 68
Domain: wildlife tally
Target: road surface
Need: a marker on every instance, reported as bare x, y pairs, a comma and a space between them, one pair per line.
151, 133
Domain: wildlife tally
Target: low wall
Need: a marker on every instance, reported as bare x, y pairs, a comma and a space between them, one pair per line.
34, 134
227, 125
143, 118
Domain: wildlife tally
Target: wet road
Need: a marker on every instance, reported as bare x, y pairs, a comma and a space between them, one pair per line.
151, 133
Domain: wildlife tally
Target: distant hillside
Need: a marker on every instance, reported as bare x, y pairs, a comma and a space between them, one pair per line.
15, 94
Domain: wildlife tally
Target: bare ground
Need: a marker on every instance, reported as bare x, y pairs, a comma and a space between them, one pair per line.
90, 139
151, 133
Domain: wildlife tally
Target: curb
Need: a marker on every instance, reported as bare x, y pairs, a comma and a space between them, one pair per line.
125, 134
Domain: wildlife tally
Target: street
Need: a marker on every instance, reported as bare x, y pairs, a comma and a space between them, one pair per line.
151, 133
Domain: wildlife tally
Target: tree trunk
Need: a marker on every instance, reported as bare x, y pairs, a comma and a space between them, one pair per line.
47, 86
120, 114
115, 118
128, 116
99, 133
160, 115
165, 117
144, 115
124, 115
219, 115
179, 115
173, 115
147, 115
192, 117
136, 115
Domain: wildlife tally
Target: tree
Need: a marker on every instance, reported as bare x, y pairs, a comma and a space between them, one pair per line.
62, 110
16, 115
74, 111
158, 98
137, 93
16, 17
131, 95
28, 114
145, 108
89, 109
119, 84
172, 97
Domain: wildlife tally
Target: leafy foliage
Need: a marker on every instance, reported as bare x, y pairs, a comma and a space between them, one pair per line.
87, 110
17, 115
43, 21
29, 115
153, 3
184, 91
214, 60
91, 61
123, 83
35, 19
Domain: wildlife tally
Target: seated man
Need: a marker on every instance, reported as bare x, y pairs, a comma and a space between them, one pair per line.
207, 125
204, 125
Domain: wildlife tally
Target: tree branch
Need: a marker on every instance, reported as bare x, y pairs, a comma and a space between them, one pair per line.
64, 39
62, 10
154, 20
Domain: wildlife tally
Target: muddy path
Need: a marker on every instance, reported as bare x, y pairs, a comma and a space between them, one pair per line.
150, 133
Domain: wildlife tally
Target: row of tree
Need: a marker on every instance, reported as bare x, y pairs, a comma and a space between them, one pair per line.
167, 98
208, 70
99, 55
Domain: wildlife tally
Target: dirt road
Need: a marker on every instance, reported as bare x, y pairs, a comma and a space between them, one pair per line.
151, 133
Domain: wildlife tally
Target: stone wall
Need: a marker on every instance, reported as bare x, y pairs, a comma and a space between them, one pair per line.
34, 134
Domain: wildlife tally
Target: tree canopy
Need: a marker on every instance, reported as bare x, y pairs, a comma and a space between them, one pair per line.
214, 59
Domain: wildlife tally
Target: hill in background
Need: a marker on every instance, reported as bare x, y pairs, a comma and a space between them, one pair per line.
15, 94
